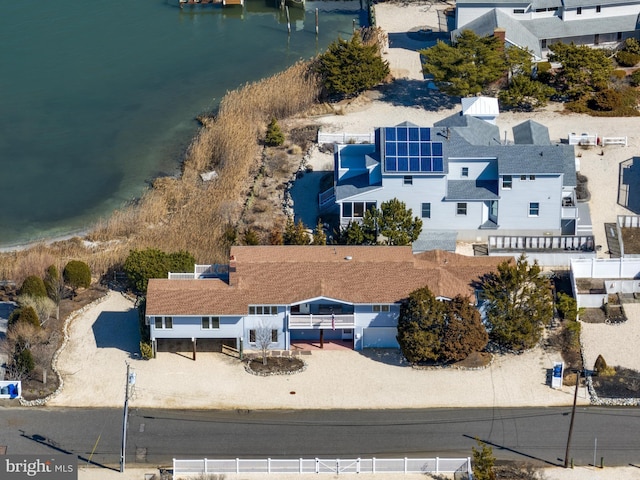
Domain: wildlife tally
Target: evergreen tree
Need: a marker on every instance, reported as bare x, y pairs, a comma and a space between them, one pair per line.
319, 237
584, 69
466, 67
33, 285
483, 461
519, 304
420, 326
251, 237
464, 332
349, 67
141, 265
296, 233
525, 94
394, 222
77, 274
274, 137
352, 234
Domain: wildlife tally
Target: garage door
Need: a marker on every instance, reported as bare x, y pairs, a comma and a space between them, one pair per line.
380, 337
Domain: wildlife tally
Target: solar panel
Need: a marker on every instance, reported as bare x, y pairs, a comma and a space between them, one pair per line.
410, 149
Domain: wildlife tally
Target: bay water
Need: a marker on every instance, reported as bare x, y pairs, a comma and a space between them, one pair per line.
98, 98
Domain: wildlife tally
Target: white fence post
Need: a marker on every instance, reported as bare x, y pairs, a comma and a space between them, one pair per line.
205, 466
317, 465
373, 465
358, 465
268, 465
405, 465
300, 466
237, 466
437, 465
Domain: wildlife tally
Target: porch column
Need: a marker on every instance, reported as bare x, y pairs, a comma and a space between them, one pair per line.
193, 340
322, 338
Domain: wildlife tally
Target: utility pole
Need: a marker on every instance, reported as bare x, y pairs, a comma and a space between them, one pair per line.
131, 380
573, 414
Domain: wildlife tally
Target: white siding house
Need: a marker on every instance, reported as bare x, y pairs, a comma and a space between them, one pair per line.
462, 180
537, 24
303, 294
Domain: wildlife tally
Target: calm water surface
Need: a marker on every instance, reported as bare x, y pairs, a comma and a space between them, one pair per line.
98, 97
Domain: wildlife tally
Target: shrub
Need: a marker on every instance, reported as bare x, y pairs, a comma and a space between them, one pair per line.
627, 59
349, 67
146, 350
251, 237
606, 100
141, 265
631, 45
274, 137
24, 361
602, 369
25, 314
77, 274
635, 78
34, 286
543, 67
619, 74
567, 306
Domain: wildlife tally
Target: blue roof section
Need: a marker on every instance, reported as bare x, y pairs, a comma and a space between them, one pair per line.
472, 190
435, 240
352, 186
516, 32
531, 133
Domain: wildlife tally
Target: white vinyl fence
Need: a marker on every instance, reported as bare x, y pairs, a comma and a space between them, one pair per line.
345, 138
205, 466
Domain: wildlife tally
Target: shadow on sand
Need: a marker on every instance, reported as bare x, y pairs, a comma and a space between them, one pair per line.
416, 93
118, 330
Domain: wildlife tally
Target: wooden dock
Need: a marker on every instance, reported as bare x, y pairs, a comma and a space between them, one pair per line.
224, 3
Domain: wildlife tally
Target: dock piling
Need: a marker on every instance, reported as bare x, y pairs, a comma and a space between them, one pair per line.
288, 20
316, 22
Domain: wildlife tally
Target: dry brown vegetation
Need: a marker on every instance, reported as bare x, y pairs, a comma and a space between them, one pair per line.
186, 213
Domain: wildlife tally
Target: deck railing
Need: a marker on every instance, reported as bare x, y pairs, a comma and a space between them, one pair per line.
322, 322
326, 197
583, 243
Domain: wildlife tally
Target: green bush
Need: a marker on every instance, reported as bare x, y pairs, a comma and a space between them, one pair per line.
349, 67
627, 59
24, 361
141, 265
567, 306
24, 314
77, 274
274, 137
543, 67
34, 286
146, 351
631, 45
619, 74
635, 78
602, 369
606, 100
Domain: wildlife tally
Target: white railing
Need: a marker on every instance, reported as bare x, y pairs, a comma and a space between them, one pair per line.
569, 212
583, 139
326, 197
343, 138
629, 221
405, 465
317, 321
544, 242
614, 141
202, 271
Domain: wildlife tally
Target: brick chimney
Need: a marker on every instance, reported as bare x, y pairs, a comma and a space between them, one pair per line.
501, 34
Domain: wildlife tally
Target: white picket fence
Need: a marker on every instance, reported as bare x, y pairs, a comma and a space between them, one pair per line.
205, 466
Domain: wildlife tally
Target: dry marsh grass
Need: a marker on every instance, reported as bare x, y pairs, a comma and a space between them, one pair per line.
186, 213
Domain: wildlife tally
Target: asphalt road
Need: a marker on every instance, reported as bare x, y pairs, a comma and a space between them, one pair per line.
536, 435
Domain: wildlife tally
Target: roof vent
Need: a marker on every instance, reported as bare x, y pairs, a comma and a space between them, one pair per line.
349, 257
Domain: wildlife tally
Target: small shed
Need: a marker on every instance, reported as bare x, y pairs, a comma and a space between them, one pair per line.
484, 108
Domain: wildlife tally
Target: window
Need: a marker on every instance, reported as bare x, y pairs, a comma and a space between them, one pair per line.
347, 209
263, 310
598, 8
464, 172
461, 209
619, 37
579, 11
532, 177
523, 178
596, 39
358, 209
534, 209
380, 308
426, 210
163, 322
507, 182
527, 177
518, 10
543, 43
274, 336
210, 322
408, 180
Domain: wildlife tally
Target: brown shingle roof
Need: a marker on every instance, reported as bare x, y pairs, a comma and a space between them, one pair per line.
267, 275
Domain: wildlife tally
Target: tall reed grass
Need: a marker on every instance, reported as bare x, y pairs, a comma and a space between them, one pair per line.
186, 213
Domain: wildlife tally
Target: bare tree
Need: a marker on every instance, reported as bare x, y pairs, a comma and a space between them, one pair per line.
264, 339
43, 306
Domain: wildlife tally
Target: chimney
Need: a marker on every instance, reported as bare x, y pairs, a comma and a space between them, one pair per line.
232, 270
500, 34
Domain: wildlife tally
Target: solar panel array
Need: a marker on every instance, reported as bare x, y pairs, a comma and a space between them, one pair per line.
410, 149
